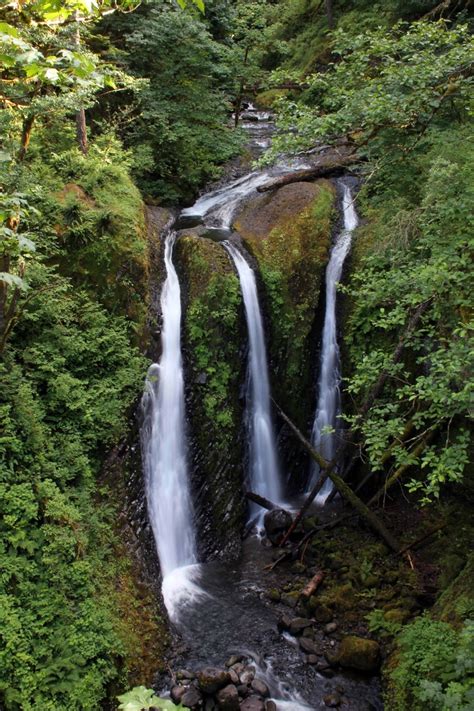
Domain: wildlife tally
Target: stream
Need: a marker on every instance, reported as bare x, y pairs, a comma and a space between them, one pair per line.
220, 608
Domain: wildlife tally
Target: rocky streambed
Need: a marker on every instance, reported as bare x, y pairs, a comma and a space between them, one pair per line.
255, 630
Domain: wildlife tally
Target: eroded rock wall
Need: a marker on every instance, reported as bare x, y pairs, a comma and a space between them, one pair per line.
214, 352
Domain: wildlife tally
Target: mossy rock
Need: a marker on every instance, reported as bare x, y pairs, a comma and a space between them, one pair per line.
267, 99
359, 653
101, 229
340, 597
288, 231
213, 327
457, 601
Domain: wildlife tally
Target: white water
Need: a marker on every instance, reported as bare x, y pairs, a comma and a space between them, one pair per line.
264, 469
328, 407
164, 452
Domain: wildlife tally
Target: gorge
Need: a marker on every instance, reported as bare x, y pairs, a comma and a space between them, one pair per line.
236, 355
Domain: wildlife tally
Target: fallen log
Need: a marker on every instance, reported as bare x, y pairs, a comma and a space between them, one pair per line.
324, 170
260, 500
313, 584
346, 492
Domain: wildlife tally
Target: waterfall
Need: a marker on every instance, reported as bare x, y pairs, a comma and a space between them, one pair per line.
328, 407
164, 450
264, 469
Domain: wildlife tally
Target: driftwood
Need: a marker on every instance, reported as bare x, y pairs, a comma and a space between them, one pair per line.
291, 552
313, 584
324, 170
346, 492
260, 500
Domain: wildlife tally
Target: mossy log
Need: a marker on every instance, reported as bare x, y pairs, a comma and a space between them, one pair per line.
327, 169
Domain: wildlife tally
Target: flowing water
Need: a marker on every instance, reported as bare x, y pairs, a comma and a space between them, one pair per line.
219, 608
326, 426
264, 469
164, 452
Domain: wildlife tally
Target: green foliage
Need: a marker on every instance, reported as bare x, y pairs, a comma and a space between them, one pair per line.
384, 87
418, 256
141, 698
435, 669
378, 624
69, 377
180, 127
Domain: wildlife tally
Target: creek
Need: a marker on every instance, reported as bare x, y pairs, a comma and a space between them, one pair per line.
221, 608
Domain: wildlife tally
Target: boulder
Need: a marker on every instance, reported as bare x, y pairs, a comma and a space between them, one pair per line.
260, 688
308, 646
253, 703
212, 679
276, 522
332, 700
192, 698
298, 625
176, 693
359, 653
228, 698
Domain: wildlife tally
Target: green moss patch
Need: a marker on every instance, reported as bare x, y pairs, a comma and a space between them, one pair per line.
213, 337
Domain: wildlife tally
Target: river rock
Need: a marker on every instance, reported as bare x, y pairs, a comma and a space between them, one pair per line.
234, 677
276, 522
298, 624
247, 676
359, 653
176, 693
284, 623
260, 687
311, 659
332, 700
253, 703
270, 705
234, 659
322, 613
330, 628
212, 679
308, 646
191, 698
228, 698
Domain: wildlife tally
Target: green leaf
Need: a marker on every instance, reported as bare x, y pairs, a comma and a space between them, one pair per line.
142, 698
13, 280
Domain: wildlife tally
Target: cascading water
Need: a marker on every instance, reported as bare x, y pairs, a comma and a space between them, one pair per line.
264, 470
324, 435
164, 451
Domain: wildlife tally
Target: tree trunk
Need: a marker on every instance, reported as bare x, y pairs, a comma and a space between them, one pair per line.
81, 131
345, 490
330, 14
81, 126
325, 170
240, 95
25, 136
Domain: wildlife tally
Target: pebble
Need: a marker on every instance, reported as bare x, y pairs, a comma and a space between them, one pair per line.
332, 700
260, 687
330, 628
308, 646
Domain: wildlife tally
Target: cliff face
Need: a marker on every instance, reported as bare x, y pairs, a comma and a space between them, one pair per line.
289, 233
214, 354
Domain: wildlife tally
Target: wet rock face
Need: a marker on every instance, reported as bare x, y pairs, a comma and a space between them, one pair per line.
276, 522
288, 231
213, 334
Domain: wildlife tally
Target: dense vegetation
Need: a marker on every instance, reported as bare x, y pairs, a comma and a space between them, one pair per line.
107, 103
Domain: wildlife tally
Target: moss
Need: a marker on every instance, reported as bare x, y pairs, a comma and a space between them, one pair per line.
100, 225
213, 336
289, 234
267, 99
